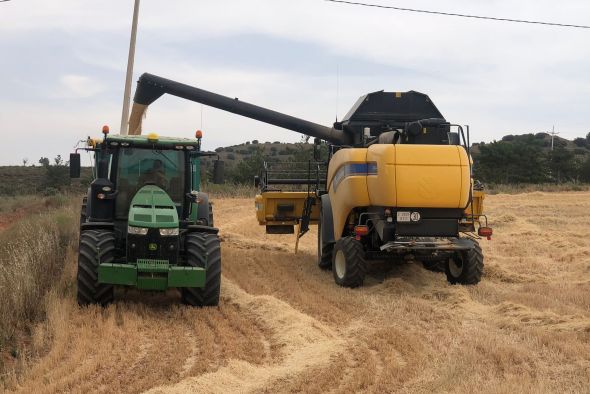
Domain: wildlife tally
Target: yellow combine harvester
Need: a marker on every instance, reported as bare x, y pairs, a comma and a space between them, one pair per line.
397, 184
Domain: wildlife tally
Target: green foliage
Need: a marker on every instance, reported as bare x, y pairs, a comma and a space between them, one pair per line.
249, 167
529, 159
56, 175
518, 161
584, 170
562, 165
581, 142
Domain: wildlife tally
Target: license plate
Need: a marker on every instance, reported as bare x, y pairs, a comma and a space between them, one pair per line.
403, 216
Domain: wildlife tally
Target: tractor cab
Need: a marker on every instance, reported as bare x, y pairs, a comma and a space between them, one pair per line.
145, 198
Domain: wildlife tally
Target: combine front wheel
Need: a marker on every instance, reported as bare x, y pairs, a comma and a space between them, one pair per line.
466, 267
348, 262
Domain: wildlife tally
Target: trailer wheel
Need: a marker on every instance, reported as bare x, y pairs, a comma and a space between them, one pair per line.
203, 250
348, 262
96, 246
324, 251
465, 267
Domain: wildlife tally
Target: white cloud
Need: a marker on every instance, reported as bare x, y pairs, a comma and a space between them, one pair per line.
78, 86
498, 77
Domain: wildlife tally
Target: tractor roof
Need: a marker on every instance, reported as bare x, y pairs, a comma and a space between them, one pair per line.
153, 139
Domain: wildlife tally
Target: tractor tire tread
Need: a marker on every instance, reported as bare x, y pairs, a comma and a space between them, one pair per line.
96, 246
198, 246
356, 266
472, 267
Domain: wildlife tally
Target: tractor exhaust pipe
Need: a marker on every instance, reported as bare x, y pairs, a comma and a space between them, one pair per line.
151, 87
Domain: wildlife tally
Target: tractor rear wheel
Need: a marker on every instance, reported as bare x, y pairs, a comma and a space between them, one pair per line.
465, 267
348, 262
203, 250
324, 250
96, 247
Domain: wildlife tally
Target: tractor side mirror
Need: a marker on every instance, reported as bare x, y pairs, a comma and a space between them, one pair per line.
74, 165
256, 181
218, 172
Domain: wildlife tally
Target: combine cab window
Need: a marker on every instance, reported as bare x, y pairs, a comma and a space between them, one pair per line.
140, 167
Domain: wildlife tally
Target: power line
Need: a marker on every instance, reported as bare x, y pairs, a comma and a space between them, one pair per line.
491, 18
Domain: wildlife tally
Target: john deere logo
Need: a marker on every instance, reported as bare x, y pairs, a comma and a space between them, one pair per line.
153, 247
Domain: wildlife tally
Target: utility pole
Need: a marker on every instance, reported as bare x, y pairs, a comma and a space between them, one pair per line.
131, 58
553, 134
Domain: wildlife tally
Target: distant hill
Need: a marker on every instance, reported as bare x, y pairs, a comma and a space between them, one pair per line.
579, 146
525, 158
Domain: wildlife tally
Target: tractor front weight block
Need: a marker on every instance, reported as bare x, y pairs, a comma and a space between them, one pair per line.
151, 275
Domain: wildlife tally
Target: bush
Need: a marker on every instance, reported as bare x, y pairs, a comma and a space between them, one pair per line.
219, 150
255, 142
581, 142
508, 137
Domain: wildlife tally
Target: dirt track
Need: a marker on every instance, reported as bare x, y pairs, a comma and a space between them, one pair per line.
284, 326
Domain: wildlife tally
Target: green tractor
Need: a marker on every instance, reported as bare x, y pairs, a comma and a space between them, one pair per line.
144, 222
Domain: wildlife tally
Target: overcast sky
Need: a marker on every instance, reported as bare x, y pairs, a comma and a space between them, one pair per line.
62, 65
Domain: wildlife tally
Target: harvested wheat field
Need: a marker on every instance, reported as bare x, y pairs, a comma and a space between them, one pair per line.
284, 326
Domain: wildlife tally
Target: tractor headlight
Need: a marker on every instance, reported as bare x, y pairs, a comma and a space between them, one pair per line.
137, 230
168, 232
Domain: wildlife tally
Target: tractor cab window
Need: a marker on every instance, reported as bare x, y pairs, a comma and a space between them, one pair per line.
140, 167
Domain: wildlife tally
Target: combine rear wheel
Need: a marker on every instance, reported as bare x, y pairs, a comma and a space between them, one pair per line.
466, 267
96, 246
348, 262
203, 250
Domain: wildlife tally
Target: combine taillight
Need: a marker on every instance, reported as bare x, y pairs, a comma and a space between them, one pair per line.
485, 232
360, 231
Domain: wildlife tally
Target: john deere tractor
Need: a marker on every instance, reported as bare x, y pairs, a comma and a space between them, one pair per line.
144, 223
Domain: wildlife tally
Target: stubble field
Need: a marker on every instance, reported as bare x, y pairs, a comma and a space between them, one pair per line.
284, 326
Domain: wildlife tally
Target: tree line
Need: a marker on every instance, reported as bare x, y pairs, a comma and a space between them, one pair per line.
529, 159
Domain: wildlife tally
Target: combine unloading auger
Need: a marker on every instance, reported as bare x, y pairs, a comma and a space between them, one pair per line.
151, 87
398, 184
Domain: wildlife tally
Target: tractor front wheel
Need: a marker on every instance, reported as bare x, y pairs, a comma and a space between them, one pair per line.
203, 250
348, 262
465, 267
96, 247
